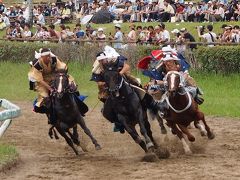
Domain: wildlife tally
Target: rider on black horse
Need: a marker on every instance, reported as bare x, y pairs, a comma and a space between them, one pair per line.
43, 70
109, 56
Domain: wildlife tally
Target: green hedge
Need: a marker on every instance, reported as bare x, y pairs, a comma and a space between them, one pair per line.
24, 52
219, 59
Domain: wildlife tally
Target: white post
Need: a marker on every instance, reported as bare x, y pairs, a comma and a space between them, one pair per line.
30, 8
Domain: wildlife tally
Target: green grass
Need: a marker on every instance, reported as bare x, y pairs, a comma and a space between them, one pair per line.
7, 154
221, 92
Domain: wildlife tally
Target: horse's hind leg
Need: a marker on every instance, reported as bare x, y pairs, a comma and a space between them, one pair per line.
69, 141
132, 131
74, 136
160, 122
50, 132
81, 122
210, 134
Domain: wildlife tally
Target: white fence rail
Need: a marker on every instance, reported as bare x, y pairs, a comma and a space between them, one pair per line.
11, 111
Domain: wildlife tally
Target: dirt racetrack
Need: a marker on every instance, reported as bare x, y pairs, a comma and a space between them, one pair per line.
120, 158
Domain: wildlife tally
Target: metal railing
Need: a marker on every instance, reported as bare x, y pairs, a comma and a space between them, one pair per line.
6, 116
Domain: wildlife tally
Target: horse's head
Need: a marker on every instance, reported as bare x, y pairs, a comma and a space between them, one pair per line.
172, 82
112, 78
60, 83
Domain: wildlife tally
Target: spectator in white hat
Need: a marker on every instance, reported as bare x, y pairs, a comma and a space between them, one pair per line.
191, 10
209, 14
117, 37
101, 37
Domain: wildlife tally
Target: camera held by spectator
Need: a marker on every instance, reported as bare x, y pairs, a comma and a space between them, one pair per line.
201, 29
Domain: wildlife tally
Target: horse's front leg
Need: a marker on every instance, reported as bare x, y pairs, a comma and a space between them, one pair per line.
143, 130
83, 125
74, 135
148, 128
132, 131
186, 131
63, 134
52, 131
175, 129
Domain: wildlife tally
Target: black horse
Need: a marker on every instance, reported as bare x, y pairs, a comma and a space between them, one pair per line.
66, 112
124, 106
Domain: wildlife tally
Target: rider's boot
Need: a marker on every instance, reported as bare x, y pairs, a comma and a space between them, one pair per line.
199, 100
83, 108
48, 111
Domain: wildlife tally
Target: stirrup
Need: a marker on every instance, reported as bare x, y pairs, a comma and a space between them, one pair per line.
199, 100
199, 91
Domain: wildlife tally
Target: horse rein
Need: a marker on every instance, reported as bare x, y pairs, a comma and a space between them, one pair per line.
184, 109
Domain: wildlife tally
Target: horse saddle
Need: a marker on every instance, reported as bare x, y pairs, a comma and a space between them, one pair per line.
83, 108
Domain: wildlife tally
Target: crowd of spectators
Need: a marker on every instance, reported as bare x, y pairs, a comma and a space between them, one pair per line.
145, 35
125, 10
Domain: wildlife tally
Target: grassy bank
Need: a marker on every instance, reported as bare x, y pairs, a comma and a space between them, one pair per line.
221, 92
7, 154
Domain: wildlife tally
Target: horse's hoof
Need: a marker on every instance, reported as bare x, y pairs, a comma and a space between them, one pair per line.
188, 152
163, 130
150, 145
162, 153
191, 138
98, 147
211, 135
203, 133
150, 157
77, 142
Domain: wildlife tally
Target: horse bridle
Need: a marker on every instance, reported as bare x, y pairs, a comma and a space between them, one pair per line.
186, 92
64, 90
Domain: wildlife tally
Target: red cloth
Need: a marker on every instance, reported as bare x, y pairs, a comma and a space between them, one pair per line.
143, 63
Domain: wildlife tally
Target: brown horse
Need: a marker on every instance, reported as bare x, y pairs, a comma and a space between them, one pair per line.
183, 110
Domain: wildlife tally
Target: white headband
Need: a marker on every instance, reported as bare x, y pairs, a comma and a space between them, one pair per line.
46, 53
